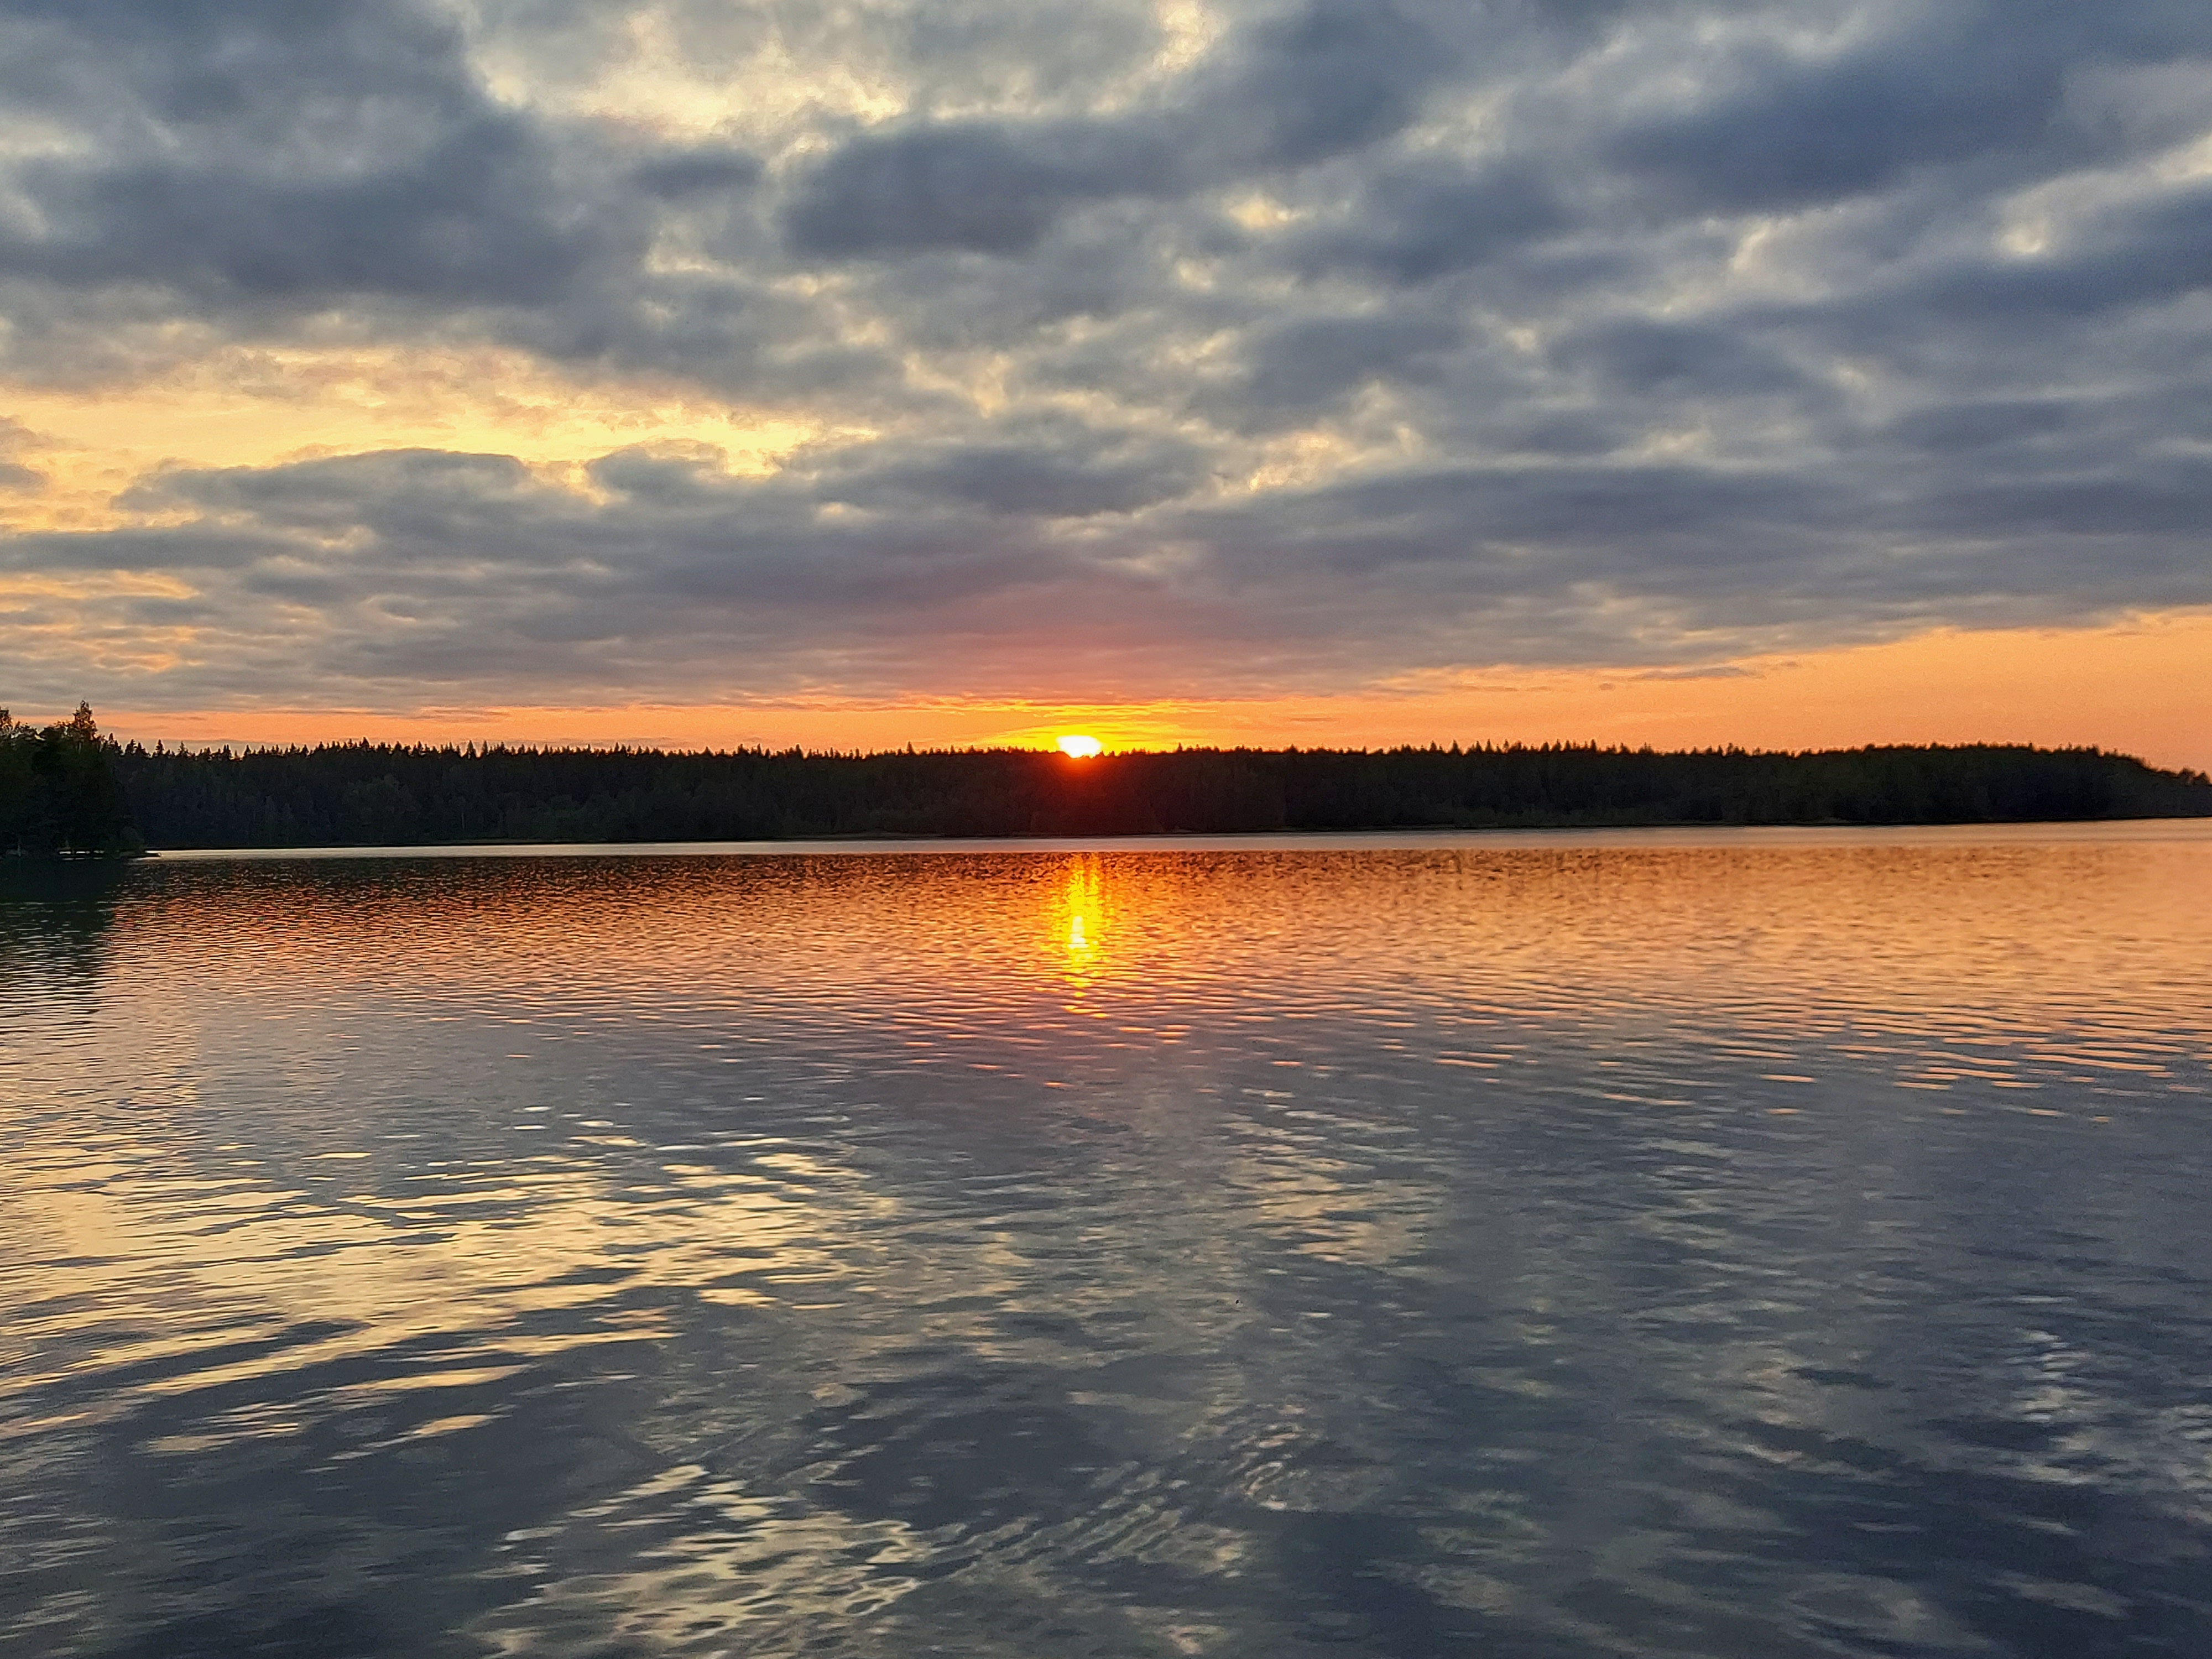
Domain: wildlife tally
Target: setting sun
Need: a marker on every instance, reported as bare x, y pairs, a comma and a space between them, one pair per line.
1081, 748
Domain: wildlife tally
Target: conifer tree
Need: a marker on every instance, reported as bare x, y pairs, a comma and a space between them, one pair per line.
59, 794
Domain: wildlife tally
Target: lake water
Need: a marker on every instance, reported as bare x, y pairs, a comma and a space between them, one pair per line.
1771, 1244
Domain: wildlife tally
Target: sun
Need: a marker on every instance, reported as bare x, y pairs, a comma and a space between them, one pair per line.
1080, 747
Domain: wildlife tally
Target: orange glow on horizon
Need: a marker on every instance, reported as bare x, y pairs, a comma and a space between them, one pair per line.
2143, 686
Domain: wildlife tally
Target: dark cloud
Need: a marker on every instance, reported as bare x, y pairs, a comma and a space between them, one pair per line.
2131, 254
1577, 434
1982, 83
703, 170
1644, 356
2156, 510
1333, 78
976, 186
1055, 474
329, 494
1790, 133
1417, 223
1294, 370
1986, 424
1335, 339
455, 225
288, 152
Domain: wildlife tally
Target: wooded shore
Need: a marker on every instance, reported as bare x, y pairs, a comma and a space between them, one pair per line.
358, 794
68, 790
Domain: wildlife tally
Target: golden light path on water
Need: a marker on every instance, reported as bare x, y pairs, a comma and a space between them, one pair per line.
1779, 1243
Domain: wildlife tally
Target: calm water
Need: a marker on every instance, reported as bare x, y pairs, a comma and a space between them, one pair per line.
1764, 1246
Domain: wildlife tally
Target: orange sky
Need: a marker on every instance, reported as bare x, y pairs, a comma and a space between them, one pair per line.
2144, 688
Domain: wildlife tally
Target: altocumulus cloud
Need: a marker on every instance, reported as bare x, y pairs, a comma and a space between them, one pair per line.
1131, 348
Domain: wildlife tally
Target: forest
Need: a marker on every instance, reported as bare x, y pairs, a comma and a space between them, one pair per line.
67, 789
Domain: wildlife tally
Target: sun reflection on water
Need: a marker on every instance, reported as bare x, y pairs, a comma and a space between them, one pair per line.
1081, 918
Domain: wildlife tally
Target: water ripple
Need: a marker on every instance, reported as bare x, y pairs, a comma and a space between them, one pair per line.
1555, 1247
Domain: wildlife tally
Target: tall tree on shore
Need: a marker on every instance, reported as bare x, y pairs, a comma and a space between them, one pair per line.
59, 795
16, 744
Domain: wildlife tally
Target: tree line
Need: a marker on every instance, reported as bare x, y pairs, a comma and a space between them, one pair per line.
381, 794
67, 789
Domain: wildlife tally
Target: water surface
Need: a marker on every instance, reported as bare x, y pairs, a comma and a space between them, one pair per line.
1764, 1245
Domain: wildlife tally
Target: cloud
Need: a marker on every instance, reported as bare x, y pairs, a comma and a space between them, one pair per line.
703, 170
1780, 123
1264, 343
1643, 354
17, 440
1293, 370
260, 152
1415, 223
973, 185
1325, 81
1982, 425
1790, 132
1059, 471
1330, 79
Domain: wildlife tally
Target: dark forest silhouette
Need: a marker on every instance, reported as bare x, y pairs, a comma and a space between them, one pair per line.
60, 790
66, 789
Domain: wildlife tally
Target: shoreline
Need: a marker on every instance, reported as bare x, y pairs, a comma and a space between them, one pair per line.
1776, 836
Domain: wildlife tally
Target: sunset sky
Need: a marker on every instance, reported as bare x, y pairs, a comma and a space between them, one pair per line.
968, 371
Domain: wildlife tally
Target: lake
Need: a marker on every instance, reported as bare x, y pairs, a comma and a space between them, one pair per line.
1771, 1244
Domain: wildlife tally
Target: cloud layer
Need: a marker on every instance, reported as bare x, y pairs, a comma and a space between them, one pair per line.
1129, 350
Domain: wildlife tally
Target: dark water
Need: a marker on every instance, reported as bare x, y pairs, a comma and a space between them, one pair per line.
1777, 1246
